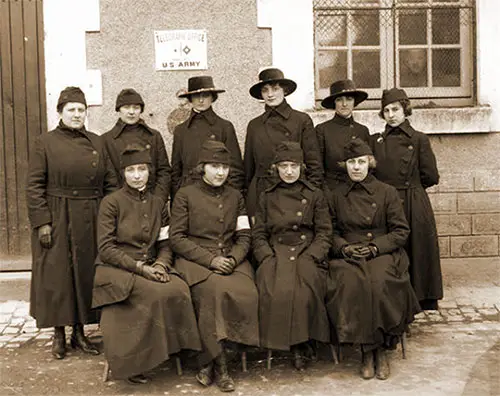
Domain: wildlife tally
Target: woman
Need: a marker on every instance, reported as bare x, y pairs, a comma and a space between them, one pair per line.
406, 161
370, 299
147, 312
210, 234
291, 240
132, 129
334, 134
278, 123
68, 175
203, 124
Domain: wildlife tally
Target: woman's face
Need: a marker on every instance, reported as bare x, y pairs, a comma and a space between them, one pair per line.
273, 94
202, 101
394, 114
130, 113
344, 105
289, 171
137, 176
73, 115
215, 174
357, 168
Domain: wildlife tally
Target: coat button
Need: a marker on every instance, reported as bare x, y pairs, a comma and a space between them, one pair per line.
220, 244
295, 227
145, 215
369, 235
292, 258
148, 146
92, 177
94, 152
94, 164
407, 183
280, 239
96, 192
303, 237
212, 136
221, 220
75, 193
304, 201
145, 255
410, 147
353, 136
299, 213
368, 218
287, 133
143, 243
144, 201
374, 205
220, 206
292, 249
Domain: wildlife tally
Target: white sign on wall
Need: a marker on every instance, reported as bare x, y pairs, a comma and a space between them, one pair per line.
181, 49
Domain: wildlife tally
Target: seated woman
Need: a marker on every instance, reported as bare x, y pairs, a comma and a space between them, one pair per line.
370, 300
210, 233
291, 240
147, 312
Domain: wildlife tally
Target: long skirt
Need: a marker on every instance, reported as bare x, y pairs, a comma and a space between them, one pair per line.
227, 309
154, 322
368, 301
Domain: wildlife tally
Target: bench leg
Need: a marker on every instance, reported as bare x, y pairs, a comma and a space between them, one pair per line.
334, 354
105, 374
269, 357
178, 365
244, 361
403, 344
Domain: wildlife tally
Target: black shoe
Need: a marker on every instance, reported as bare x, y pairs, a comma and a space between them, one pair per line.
138, 379
368, 365
206, 375
79, 341
59, 343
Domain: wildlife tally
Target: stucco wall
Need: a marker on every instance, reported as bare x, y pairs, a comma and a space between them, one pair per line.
123, 50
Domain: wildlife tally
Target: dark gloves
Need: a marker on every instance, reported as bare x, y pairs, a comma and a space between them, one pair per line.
45, 236
360, 251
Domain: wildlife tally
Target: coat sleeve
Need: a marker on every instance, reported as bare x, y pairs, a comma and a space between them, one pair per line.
320, 136
165, 254
237, 173
179, 233
337, 240
109, 253
397, 226
320, 245
248, 159
110, 176
243, 234
429, 175
312, 155
260, 234
176, 162
163, 170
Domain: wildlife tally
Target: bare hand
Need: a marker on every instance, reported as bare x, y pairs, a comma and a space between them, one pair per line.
163, 275
45, 236
222, 265
153, 274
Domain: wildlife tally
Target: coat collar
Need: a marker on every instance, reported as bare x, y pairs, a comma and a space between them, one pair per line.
120, 126
404, 126
369, 185
343, 121
211, 189
82, 131
134, 193
283, 109
208, 114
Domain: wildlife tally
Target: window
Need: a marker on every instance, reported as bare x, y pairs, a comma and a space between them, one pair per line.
423, 46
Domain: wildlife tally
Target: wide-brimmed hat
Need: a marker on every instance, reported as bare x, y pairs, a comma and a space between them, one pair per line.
129, 96
272, 75
343, 88
289, 151
201, 84
70, 95
393, 95
356, 148
213, 151
134, 154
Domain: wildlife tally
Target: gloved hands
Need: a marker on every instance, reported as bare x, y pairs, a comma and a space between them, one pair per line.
45, 236
359, 251
223, 265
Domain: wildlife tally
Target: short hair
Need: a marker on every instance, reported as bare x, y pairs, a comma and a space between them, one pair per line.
372, 163
200, 169
407, 108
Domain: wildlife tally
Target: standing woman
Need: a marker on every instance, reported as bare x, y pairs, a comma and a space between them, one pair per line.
334, 134
147, 312
210, 233
406, 161
279, 123
203, 124
291, 239
69, 173
370, 300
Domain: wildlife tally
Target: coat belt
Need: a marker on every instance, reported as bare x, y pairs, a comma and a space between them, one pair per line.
75, 192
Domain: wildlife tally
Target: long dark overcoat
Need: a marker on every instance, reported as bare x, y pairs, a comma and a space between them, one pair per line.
369, 299
188, 139
406, 161
208, 222
141, 133
69, 173
333, 135
291, 239
143, 322
264, 134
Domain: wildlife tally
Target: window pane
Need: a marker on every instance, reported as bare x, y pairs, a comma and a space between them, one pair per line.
332, 66
366, 28
446, 67
366, 69
413, 68
412, 27
331, 30
445, 26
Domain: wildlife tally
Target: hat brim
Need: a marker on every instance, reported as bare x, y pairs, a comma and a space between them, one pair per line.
211, 90
359, 96
289, 86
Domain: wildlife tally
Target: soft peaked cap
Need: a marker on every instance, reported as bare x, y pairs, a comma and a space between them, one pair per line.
356, 148
393, 95
70, 95
129, 96
213, 151
135, 154
289, 151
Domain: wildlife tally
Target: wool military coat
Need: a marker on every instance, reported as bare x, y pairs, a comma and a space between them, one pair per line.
406, 161
291, 239
333, 135
264, 134
188, 139
121, 135
69, 173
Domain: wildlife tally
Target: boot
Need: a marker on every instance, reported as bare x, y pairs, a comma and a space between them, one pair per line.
206, 375
298, 360
138, 379
368, 366
222, 377
79, 341
59, 343
382, 364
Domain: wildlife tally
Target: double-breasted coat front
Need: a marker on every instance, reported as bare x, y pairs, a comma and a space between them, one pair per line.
264, 133
69, 173
291, 238
406, 161
207, 222
369, 299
